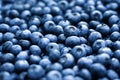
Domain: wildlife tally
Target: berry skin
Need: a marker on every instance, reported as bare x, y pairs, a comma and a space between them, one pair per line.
113, 73
94, 36
21, 65
98, 70
54, 75
98, 44
71, 31
78, 52
54, 55
105, 50
23, 55
35, 50
84, 62
15, 49
35, 69
9, 67
114, 36
117, 54
51, 46
103, 29
43, 42
72, 41
4, 28
67, 60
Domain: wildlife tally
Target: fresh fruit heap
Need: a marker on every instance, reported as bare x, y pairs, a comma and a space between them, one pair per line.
60, 40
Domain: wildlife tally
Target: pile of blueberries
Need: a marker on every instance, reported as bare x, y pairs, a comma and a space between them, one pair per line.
60, 40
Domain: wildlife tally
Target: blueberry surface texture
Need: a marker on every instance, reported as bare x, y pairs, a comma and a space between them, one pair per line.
59, 39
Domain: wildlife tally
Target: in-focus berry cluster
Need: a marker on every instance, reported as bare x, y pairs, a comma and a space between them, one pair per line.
59, 39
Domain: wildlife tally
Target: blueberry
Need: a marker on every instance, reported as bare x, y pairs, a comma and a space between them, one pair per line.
9, 57
101, 8
105, 50
21, 65
35, 37
16, 21
115, 27
74, 17
67, 72
56, 10
78, 52
1, 38
88, 49
55, 66
103, 59
113, 73
23, 55
12, 13
72, 41
98, 44
22, 75
93, 24
43, 42
4, 28
63, 5
45, 62
57, 30
114, 64
112, 6
93, 36
4, 75
48, 26
96, 15
67, 60
58, 18
109, 43
9, 67
8, 36
51, 37
84, 17
34, 21
36, 10
114, 36
116, 45
47, 17
77, 9
34, 59
25, 44
83, 29
25, 34
33, 28
35, 69
26, 14
52, 46
98, 70
64, 23
54, 75
113, 19
54, 55
35, 50
65, 50
117, 54
108, 13
103, 29
71, 31
14, 29
85, 74
104, 78
15, 49
14, 41
23, 26
61, 38
46, 10
84, 62
6, 47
